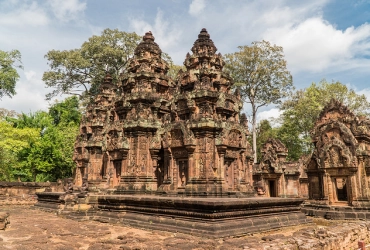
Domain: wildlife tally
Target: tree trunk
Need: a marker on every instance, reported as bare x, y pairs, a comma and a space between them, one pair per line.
254, 134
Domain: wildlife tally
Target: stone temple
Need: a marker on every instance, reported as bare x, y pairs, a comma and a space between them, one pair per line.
171, 154
339, 168
159, 136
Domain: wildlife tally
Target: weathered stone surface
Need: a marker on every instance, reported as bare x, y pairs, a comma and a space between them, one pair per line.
152, 148
338, 171
4, 220
35, 229
151, 134
274, 176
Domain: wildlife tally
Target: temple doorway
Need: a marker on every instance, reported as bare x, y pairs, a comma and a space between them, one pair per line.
117, 164
229, 175
272, 188
341, 189
159, 172
183, 173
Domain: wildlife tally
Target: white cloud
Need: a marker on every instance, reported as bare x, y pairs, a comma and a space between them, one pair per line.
25, 15
268, 114
196, 7
165, 33
30, 95
365, 92
315, 45
67, 10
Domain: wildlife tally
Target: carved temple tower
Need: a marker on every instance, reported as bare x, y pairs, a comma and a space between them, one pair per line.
338, 172
154, 136
149, 136
142, 107
90, 145
206, 152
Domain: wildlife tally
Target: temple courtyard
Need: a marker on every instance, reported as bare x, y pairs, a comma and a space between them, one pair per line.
32, 228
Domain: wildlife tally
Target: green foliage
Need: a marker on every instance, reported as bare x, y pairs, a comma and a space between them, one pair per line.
50, 157
302, 108
66, 111
290, 136
264, 131
39, 146
81, 70
174, 70
261, 73
9, 62
12, 142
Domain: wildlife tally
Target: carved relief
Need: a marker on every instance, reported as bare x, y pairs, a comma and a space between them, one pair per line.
156, 127
176, 138
340, 143
234, 138
180, 153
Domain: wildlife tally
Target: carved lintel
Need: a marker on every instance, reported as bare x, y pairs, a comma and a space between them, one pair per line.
221, 149
190, 148
154, 153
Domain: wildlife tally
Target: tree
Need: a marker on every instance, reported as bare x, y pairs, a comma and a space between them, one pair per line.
12, 142
261, 73
264, 131
79, 71
290, 136
302, 108
50, 157
39, 146
9, 62
66, 112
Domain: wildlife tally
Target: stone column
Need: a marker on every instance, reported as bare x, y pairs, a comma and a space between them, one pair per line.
324, 186
191, 165
330, 189
221, 167
362, 177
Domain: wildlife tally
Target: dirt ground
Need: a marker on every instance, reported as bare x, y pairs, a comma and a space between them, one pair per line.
31, 228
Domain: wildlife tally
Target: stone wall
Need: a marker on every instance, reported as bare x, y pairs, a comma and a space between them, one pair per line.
340, 237
23, 193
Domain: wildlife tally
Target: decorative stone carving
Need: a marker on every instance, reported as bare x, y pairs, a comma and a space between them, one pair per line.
341, 144
131, 124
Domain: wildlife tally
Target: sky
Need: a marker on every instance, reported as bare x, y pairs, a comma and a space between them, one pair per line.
322, 39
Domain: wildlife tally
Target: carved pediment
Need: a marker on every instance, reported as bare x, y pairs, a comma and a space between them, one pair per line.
334, 137
274, 155
335, 153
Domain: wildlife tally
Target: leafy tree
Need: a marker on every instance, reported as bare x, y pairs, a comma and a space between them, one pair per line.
6, 113
290, 136
302, 108
12, 142
261, 73
174, 70
50, 157
9, 62
39, 120
66, 112
77, 71
47, 153
264, 131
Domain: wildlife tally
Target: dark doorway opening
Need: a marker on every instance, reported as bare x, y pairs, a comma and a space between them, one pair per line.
160, 168
272, 188
183, 174
340, 184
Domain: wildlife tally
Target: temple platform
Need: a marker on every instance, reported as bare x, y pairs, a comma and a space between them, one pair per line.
337, 211
207, 217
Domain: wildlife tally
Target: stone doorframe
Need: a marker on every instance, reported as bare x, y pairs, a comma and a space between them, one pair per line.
335, 182
182, 172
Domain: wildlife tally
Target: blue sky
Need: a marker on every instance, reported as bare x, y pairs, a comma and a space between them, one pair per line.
321, 38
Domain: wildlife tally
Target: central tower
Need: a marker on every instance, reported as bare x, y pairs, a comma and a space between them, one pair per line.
205, 146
